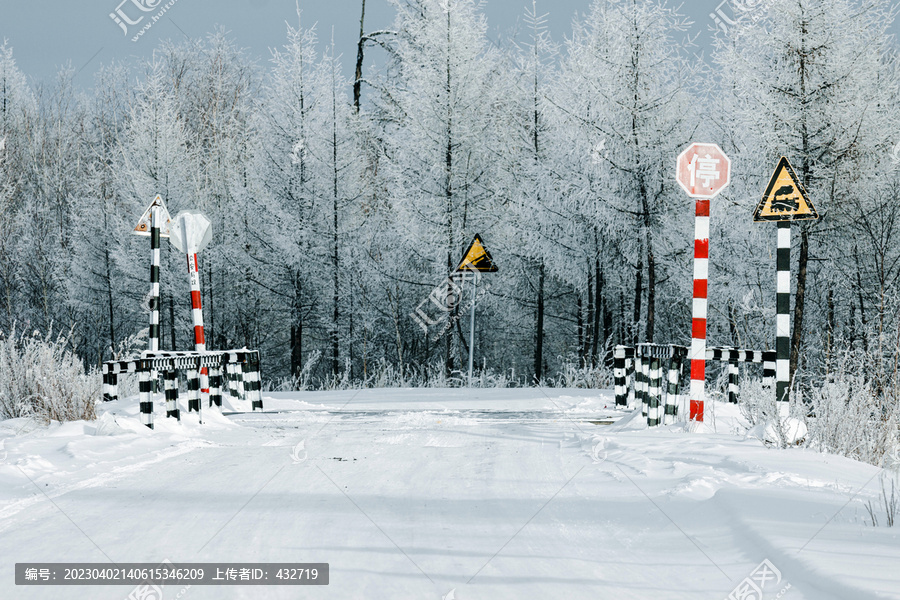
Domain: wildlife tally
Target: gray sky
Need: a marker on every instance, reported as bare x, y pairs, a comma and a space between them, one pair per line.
47, 34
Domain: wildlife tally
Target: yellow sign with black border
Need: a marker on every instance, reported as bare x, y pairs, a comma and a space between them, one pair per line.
784, 198
477, 258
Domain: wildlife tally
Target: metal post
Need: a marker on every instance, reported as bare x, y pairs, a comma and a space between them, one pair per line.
153, 342
619, 373
733, 379
698, 313
215, 386
197, 313
654, 392
783, 319
193, 390
170, 378
672, 399
768, 360
145, 397
472, 328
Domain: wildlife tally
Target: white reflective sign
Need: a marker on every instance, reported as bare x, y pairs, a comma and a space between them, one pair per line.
190, 231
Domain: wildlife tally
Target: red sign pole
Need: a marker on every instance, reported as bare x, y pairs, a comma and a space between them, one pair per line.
703, 171
698, 310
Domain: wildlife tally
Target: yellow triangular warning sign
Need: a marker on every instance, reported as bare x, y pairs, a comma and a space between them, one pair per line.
785, 199
143, 226
477, 258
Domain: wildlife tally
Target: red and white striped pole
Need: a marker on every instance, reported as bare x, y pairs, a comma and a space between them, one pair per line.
702, 171
197, 314
190, 235
698, 311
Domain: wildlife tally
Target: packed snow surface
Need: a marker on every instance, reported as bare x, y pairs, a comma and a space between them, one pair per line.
444, 493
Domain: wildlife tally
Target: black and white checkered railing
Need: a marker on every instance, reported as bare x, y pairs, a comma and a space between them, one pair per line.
650, 362
240, 366
645, 366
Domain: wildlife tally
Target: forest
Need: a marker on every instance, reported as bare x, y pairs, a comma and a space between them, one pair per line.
341, 205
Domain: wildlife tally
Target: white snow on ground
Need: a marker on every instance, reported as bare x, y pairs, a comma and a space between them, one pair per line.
413, 493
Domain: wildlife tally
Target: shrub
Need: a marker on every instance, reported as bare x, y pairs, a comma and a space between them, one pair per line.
856, 411
41, 377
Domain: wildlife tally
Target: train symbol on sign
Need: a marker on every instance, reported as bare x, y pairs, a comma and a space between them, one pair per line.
786, 200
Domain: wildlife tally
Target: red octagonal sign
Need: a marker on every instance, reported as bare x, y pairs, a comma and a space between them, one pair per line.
703, 170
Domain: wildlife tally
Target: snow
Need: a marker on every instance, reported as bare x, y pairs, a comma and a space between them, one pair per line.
412, 493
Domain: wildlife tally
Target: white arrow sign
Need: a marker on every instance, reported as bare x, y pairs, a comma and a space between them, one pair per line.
190, 232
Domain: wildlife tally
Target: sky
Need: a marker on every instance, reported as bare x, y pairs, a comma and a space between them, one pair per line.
45, 35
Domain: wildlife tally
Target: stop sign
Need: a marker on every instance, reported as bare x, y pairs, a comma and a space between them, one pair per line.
703, 170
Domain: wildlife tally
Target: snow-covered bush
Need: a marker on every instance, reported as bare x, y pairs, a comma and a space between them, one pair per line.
301, 381
41, 377
756, 401
856, 412
581, 374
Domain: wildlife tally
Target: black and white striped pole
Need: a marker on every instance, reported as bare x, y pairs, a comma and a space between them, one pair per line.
145, 398
154, 223
154, 279
623, 357
783, 319
784, 201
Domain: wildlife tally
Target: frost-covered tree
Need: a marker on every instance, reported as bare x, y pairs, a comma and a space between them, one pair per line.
437, 115
310, 171
801, 84
100, 219
626, 92
156, 156
43, 220
17, 114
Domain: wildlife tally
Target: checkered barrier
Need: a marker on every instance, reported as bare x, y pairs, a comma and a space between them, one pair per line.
241, 365
645, 366
623, 368
734, 357
652, 364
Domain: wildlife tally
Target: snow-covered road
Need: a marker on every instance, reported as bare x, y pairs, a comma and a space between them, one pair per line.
490, 494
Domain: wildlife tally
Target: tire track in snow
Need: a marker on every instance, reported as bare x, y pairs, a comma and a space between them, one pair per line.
16, 506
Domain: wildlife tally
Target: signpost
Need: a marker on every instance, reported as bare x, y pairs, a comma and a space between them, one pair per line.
476, 260
154, 223
190, 234
784, 201
702, 171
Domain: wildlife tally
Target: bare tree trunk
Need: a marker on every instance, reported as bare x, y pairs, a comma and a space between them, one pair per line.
109, 297
211, 328
539, 328
651, 288
172, 323
580, 320
297, 328
829, 337
797, 337
589, 319
638, 291
598, 310
335, 264
803, 259
360, 46
448, 194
